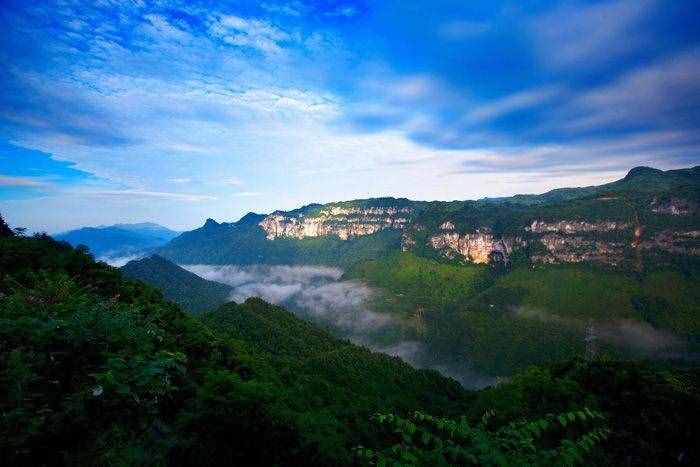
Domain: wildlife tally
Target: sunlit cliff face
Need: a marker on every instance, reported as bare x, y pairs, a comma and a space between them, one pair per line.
342, 222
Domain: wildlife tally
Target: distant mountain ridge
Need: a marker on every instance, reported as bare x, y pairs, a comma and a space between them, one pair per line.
120, 240
648, 213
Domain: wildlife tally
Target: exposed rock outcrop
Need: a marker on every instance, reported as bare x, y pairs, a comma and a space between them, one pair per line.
673, 207
479, 247
573, 227
335, 220
676, 242
570, 249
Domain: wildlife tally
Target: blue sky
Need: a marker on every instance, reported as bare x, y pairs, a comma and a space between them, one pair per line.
169, 111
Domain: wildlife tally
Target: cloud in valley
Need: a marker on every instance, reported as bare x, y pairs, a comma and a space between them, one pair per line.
318, 294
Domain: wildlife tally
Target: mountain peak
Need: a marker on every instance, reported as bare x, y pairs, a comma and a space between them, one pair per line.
642, 171
251, 217
210, 223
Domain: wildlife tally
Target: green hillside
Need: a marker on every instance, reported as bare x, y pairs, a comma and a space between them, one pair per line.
244, 242
99, 370
501, 322
628, 200
188, 290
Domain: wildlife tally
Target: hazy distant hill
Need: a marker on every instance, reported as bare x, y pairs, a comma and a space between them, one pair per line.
188, 290
120, 240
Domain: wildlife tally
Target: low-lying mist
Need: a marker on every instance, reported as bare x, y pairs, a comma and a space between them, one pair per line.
342, 306
347, 309
638, 337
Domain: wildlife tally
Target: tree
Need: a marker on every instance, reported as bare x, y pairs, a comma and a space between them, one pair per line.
5, 230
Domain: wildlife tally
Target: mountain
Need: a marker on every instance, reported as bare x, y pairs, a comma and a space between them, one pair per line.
115, 242
188, 290
99, 370
503, 284
648, 215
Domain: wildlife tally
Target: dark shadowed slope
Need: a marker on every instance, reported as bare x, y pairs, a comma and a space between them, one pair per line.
188, 290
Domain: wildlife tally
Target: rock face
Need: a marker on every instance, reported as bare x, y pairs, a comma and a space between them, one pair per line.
343, 222
572, 249
674, 207
676, 242
571, 226
572, 241
479, 247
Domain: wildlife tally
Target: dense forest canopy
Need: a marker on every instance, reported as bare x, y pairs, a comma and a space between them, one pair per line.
99, 370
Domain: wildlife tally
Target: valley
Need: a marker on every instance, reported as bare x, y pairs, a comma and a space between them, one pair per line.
495, 285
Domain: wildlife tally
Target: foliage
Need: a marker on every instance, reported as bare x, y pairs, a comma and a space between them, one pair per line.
563, 439
423, 283
99, 370
500, 323
188, 290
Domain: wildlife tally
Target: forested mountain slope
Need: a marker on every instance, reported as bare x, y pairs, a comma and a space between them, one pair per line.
644, 218
188, 290
99, 370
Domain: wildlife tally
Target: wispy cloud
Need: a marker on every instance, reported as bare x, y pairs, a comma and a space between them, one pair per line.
20, 181
247, 32
511, 103
584, 35
187, 197
663, 93
293, 8
347, 11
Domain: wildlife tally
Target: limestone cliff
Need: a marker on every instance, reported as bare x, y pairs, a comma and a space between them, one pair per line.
344, 222
480, 247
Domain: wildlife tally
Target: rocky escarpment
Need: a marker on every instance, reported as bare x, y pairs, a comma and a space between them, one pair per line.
480, 247
675, 242
564, 241
573, 227
561, 242
344, 222
573, 241
673, 206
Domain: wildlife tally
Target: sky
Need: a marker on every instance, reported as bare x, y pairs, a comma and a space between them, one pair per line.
177, 111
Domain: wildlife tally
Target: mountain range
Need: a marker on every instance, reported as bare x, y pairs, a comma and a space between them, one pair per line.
494, 284
99, 369
646, 216
120, 242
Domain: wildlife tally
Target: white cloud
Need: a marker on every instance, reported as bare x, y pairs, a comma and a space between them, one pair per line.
187, 197
511, 103
585, 35
160, 28
245, 194
289, 9
253, 33
347, 11
664, 92
20, 181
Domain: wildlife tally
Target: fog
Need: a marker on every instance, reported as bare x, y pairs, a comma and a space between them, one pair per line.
342, 306
633, 335
118, 261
